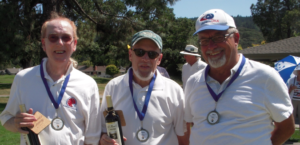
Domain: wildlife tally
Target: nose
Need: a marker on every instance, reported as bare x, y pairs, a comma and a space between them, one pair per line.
212, 44
145, 57
60, 41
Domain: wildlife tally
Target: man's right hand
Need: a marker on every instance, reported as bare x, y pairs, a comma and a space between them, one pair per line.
105, 140
20, 120
292, 88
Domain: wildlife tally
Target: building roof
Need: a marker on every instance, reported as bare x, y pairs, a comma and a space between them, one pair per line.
274, 50
13, 70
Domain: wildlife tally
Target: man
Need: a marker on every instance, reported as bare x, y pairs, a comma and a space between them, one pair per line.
193, 63
163, 120
294, 91
234, 100
163, 71
42, 87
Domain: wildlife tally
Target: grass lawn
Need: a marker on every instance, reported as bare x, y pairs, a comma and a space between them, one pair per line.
6, 79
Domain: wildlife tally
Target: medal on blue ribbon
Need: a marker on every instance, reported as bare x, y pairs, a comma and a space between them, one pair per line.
142, 135
57, 123
213, 117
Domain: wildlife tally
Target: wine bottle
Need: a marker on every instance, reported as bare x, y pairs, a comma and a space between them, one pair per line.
31, 138
113, 123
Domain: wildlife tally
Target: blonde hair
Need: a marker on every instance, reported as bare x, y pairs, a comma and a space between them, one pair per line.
56, 16
74, 62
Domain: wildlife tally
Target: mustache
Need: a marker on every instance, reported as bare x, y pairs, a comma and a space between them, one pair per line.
211, 51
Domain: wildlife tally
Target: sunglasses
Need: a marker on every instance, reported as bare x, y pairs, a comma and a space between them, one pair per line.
151, 54
65, 38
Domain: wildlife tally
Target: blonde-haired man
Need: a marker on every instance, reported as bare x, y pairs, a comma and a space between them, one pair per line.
64, 95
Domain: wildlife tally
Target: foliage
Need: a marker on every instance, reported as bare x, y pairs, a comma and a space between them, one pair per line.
277, 19
87, 63
112, 70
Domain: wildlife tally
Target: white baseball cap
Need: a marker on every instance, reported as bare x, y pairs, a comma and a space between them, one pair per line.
214, 19
296, 69
190, 50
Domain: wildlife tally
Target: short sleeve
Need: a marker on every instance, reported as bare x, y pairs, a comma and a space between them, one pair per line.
12, 106
277, 100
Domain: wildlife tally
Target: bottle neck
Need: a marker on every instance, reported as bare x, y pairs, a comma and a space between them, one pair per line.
110, 108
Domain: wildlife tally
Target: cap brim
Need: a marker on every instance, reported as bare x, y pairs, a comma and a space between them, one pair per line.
186, 53
145, 38
212, 27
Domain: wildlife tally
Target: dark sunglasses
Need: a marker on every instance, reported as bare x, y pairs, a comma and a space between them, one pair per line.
54, 38
151, 54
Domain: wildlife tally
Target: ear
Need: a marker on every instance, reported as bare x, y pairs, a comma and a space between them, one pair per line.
236, 38
75, 44
159, 59
43, 44
130, 54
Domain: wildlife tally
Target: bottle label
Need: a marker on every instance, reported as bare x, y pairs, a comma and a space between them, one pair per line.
113, 131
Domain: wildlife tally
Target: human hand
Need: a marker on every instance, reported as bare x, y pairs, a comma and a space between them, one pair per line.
105, 140
292, 87
24, 120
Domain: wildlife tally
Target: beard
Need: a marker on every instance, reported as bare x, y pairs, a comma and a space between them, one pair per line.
143, 78
216, 63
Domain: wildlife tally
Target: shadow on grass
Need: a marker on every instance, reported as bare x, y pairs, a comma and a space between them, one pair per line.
2, 106
5, 86
101, 80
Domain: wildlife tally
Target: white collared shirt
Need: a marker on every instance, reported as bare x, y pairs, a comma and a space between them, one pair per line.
247, 107
188, 70
164, 116
79, 107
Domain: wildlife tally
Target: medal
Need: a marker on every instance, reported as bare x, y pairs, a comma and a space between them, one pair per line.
213, 117
142, 135
57, 123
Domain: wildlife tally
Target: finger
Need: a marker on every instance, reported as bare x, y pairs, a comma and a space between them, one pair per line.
22, 131
30, 111
124, 138
26, 124
108, 139
25, 119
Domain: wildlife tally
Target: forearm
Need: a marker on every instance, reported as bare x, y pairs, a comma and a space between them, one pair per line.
10, 125
283, 131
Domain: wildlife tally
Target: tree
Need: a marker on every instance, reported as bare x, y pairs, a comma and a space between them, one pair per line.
112, 70
277, 19
111, 24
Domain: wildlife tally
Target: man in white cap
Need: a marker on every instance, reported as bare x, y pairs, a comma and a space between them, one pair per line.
234, 100
193, 63
294, 90
152, 105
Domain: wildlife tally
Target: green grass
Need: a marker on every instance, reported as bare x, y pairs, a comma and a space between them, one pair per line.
296, 136
6, 79
7, 137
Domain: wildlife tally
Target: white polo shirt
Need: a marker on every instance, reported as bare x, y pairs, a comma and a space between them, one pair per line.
164, 116
79, 108
246, 108
188, 70
295, 94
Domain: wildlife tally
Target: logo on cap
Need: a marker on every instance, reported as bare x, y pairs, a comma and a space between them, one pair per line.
207, 17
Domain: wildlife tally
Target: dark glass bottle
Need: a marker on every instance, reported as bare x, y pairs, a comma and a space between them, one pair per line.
113, 123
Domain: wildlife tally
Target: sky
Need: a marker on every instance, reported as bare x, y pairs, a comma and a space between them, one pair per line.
194, 8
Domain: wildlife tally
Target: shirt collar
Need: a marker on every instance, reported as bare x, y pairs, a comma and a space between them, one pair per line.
47, 75
158, 84
233, 70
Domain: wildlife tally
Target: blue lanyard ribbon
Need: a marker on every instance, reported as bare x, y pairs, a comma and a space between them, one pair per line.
62, 91
212, 93
147, 99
